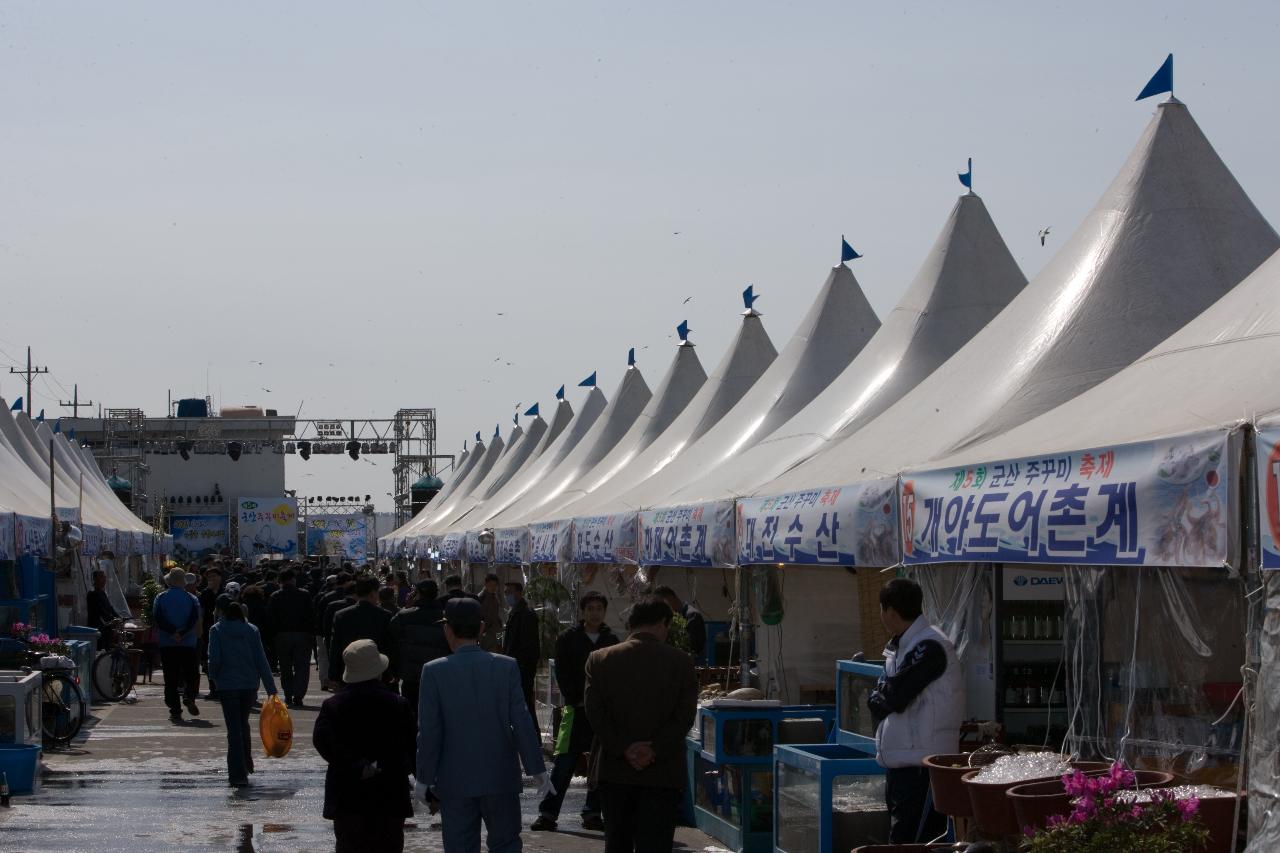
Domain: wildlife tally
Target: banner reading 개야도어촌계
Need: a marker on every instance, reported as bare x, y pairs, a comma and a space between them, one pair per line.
1156, 503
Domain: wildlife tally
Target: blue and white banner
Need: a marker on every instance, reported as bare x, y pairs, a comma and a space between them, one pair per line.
196, 536
8, 549
91, 545
452, 546
549, 541
607, 539
33, 535
839, 526
341, 536
1156, 503
478, 553
511, 546
1267, 459
142, 542
266, 527
697, 535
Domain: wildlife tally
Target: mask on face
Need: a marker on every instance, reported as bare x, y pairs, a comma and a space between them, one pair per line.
511, 600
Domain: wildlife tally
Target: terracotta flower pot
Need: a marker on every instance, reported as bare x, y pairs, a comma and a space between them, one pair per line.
911, 848
950, 797
1035, 802
1218, 814
992, 808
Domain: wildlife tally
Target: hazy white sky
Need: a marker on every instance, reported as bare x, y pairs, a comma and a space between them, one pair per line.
351, 193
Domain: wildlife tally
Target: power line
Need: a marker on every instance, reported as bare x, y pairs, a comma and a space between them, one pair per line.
29, 373
74, 404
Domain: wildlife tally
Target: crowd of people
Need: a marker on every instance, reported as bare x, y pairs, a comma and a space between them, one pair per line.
438, 686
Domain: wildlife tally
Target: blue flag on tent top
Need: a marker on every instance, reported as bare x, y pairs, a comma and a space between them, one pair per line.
477, 436
559, 394
966, 178
40, 417
683, 330
57, 426
71, 434
631, 357
533, 410
846, 251
497, 430
17, 405
749, 297
589, 382
1160, 82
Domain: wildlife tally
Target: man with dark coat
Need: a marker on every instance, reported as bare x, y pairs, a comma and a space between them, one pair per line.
491, 608
641, 697
695, 626
100, 611
366, 734
291, 615
418, 633
573, 647
520, 641
364, 620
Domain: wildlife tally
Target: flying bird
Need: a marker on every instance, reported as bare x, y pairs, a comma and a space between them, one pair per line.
251, 361
1044, 232
686, 300
268, 390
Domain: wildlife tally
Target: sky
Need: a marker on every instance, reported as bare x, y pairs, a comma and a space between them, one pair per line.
465, 205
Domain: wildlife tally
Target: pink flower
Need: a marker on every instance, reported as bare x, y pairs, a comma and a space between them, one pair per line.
1136, 811
1189, 807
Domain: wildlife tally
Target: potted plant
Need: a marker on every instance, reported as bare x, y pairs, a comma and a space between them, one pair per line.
1103, 820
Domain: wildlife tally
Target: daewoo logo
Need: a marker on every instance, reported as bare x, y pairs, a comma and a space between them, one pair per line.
1023, 580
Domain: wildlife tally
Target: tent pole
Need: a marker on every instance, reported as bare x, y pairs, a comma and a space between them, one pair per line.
744, 628
53, 505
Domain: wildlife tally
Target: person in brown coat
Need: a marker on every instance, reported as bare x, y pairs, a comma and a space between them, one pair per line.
641, 698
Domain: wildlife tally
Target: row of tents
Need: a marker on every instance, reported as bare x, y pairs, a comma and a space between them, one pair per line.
1155, 320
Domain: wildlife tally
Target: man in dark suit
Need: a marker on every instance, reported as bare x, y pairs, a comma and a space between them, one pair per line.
520, 640
363, 620
419, 638
641, 698
695, 626
365, 733
474, 732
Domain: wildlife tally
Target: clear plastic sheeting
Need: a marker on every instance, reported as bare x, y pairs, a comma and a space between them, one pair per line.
1153, 666
796, 657
957, 601
1264, 724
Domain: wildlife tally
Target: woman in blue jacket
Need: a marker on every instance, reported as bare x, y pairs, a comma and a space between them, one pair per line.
237, 662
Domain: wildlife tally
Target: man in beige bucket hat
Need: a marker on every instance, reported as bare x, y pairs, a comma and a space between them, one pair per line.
366, 733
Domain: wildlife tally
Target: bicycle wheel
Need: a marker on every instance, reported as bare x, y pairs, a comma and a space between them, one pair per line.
113, 674
62, 708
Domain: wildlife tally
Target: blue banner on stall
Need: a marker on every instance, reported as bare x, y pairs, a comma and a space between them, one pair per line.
511, 546
451, 546
195, 536
1267, 459
32, 535
846, 526
1160, 503
7, 534
92, 542
341, 536
608, 539
697, 535
549, 541
479, 553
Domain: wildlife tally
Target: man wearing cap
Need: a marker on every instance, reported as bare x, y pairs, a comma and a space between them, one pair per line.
365, 733
176, 615
418, 631
474, 731
520, 640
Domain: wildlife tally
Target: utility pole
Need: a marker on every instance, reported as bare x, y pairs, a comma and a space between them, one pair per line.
29, 372
75, 403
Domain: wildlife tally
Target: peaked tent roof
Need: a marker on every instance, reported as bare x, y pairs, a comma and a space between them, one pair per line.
513, 438
552, 455
681, 383
967, 278
748, 357
628, 403
836, 328
1229, 357
1172, 233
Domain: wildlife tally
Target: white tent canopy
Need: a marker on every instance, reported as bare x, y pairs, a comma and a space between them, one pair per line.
748, 357
836, 328
1172, 234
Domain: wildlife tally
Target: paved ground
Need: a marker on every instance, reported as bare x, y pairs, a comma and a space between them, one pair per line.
134, 781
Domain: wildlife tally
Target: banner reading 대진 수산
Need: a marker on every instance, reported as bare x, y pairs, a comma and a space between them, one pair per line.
1161, 503
842, 526
1267, 459
194, 536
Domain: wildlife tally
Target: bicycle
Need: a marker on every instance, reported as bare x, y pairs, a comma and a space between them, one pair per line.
116, 669
62, 704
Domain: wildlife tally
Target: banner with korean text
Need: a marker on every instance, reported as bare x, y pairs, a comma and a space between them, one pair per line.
695, 535
511, 546
1156, 503
267, 527
841, 526
1267, 459
345, 537
549, 541
195, 536
33, 535
607, 539
479, 552
452, 546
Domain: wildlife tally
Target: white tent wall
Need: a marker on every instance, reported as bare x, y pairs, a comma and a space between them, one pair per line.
836, 328
683, 379
629, 401
578, 429
967, 278
1173, 233
748, 357
513, 438
444, 505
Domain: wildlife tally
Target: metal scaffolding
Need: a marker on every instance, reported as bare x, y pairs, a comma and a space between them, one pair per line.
123, 453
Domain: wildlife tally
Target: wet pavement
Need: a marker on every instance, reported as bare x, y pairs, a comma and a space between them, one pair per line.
133, 781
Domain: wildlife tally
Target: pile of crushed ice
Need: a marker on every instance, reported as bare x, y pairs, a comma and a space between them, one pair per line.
1180, 792
1023, 767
